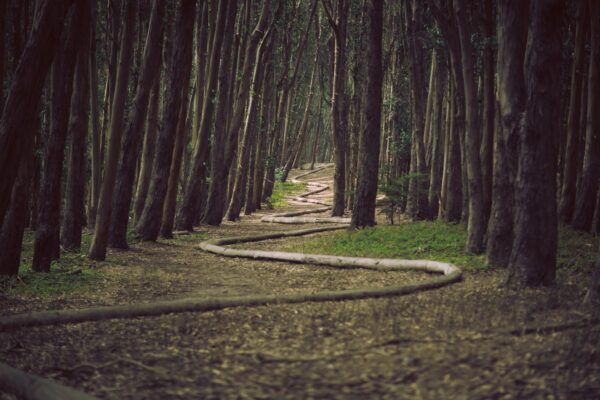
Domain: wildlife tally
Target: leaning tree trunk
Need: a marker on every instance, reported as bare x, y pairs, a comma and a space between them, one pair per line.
117, 119
74, 213
47, 234
148, 226
512, 38
363, 212
569, 189
132, 137
588, 187
533, 257
25, 93
477, 223
190, 208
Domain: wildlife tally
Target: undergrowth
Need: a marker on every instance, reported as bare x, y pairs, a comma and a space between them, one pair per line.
433, 240
281, 190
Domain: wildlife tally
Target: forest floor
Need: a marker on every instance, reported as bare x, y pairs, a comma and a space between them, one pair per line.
465, 340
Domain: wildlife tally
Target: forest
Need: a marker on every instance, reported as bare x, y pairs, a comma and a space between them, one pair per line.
299, 199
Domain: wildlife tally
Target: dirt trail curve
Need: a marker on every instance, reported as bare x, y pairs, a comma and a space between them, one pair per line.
30, 386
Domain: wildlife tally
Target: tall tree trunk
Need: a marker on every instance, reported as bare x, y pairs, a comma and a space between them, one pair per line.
239, 186
477, 224
96, 163
148, 150
47, 234
117, 120
588, 188
574, 130
489, 105
74, 213
363, 212
262, 147
533, 257
219, 172
190, 208
25, 93
512, 38
3, 55
132, 137
437, 141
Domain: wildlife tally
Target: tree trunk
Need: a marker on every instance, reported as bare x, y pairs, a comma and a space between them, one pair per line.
148, 150
74, 213
148, 226
533, 257
219, 172
512, 38
477, 224
190, 208
363, 212
47, 234
569, 189
132, 136
588, 188
25, 93
96, 162
103, 216
437, 140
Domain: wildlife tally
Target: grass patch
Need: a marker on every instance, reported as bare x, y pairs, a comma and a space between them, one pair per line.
281, 190
436, 241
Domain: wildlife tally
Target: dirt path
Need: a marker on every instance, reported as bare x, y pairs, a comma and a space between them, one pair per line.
449, 343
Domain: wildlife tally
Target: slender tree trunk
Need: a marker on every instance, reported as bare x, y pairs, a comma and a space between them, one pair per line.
262, 148
477, 224
588, 188
74, 213
25, 93
47, 234
148, 150
3, 7
103, 217
489, 105
132, 136
437, 141
363, 212
533, 257
512, 35
94, 186
190, 209
569, 188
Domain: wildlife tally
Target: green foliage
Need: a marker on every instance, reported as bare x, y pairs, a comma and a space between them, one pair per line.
396, 193
576, 250
279, 174
428, 240
281, 190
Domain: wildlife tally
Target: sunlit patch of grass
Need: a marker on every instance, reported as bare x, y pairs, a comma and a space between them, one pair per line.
281, 190
434, 240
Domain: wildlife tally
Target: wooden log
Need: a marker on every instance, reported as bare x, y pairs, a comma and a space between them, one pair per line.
31, 387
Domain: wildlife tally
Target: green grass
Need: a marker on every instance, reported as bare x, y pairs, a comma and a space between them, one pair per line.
436, 241
281, 190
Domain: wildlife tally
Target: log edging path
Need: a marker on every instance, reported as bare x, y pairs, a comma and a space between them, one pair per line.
32, 387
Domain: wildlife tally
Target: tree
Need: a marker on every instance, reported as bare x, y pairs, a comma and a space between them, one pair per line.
101, 230
132, 137
363, 213
47, 233
148, 226
25, 92
512, 34
533, 256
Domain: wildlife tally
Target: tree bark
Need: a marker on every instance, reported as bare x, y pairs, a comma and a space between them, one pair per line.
190, 208
25, 93
103, 217
512, 38
363, 212
574, 130
74, 212
96, 162
47, 234
533, 257
132, 136
588, 188
477, 224
148, 226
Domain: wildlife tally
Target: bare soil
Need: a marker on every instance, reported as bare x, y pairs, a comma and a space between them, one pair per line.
461, 341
